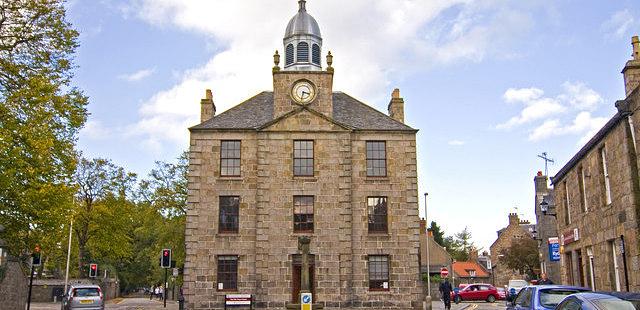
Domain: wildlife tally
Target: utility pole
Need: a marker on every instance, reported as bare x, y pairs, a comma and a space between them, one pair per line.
66, 274
427, 246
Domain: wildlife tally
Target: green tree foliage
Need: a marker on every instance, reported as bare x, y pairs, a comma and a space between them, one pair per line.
103, 215
438, 234
522, 256
40, 116
460, 245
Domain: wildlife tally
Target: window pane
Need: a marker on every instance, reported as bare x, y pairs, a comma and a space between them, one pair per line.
378, 271
302, 158
228, 272
230, 158
229, 214
302, 213
377, 210
376, 158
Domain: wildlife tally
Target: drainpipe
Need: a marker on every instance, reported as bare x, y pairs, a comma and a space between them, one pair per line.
624, 262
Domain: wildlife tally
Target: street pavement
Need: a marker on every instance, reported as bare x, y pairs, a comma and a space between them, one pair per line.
118, 304
498, 305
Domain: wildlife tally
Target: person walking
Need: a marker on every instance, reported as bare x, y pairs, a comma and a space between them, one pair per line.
156, 292
151, 292
445, 292
544, 280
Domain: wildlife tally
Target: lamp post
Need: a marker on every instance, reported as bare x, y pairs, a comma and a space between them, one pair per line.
427, 247
3, 249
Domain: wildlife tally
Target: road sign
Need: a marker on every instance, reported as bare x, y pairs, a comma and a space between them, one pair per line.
305, 301
444, 272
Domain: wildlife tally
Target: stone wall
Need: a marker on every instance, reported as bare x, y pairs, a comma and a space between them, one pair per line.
13, 287
600, 224
266, 242
512, 233
546, 226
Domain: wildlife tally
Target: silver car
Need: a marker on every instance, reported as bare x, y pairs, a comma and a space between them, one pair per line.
83, 297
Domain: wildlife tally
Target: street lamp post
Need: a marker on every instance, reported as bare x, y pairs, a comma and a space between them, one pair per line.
3, 249
427, 247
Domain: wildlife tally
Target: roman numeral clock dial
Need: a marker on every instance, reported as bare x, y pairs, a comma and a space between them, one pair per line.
303, 92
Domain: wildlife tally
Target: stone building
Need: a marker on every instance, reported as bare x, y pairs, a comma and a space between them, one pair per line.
470, 272
515, 231
438, 256
546, 229
303, 160
598, 199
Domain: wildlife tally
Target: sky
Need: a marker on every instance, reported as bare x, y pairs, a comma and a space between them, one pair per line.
490, 84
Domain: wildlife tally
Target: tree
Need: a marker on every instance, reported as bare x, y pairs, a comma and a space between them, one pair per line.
40, 116
522, 256
102, 213
460, 245
438, 234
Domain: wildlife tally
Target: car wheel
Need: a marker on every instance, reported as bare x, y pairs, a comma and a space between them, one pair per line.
491, 298
457, 299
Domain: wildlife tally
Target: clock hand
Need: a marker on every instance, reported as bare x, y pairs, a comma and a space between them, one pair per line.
303, 94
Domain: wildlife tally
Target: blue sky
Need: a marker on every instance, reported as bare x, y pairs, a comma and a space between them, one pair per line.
490, 84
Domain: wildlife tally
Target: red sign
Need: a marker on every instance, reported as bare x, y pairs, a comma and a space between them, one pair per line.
569, 236
444, 272
238, 300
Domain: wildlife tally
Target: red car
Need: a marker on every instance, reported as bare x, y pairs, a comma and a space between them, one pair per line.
477, 291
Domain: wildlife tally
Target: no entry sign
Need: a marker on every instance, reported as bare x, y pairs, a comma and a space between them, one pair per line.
444, 272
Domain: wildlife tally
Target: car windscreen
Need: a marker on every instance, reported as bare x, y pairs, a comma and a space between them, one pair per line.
86, 292
613, 304
550, 298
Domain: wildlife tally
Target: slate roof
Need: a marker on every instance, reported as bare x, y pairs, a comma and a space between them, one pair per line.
258, 111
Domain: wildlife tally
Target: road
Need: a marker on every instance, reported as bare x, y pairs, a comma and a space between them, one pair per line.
498, 305
118, 304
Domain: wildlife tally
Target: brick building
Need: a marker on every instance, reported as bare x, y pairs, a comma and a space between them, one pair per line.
516, 230
546, 228
598, 199
303, 160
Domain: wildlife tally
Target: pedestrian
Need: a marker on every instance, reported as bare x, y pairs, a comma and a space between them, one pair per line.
161, 292
156, 292
151, 292
445, 292
544, 280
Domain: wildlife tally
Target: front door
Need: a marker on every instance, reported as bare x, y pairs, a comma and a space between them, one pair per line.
295, 281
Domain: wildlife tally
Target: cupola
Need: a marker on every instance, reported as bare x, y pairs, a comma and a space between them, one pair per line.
302, 42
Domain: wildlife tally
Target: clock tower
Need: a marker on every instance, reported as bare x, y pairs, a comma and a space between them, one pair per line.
302, 83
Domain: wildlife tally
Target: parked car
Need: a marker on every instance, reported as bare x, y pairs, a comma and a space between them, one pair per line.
502, 292
477, 291
594, 301
83, 297
634, 298
542, 297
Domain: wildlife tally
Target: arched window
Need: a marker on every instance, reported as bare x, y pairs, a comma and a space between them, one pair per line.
289, 55
303, 52
315, 54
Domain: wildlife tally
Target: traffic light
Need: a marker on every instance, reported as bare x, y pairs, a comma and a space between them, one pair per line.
165, 261
35, 257
93, 270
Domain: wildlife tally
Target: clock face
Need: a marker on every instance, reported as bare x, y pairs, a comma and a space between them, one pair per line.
303, 92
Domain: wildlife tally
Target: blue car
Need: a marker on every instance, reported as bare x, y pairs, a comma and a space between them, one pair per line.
542, 297
594, 301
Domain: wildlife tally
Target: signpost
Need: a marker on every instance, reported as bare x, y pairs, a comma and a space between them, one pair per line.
444, 272
554, 249
305, 301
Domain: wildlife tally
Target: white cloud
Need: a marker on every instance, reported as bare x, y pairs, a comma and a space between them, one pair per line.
95, 130
536, 109
619, 23
399, 37
575, 95
522, 94
580, 96
456, 142
137, 76
583, 123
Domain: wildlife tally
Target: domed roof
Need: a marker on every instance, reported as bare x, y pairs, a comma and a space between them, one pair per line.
302, 23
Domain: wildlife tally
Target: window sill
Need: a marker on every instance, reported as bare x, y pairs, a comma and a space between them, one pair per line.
370, 179
303, 232
230, 178
378, 234
228, 233
309, 178
229, 290
380, 290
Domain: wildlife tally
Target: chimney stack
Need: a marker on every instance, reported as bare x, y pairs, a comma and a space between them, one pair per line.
396, 106
207, 107
513, 219
631, 70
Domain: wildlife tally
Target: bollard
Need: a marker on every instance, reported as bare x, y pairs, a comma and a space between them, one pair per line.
180, 302
426, 304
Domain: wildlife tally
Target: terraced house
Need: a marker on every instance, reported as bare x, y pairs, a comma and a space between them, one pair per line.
303, 160
597, 199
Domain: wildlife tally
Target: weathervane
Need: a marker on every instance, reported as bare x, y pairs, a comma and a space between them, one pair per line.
547, 160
